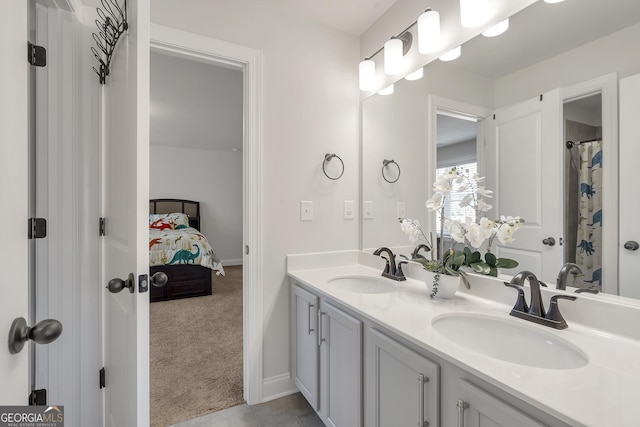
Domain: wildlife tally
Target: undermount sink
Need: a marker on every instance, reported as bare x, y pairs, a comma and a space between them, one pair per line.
363, 284
510, 341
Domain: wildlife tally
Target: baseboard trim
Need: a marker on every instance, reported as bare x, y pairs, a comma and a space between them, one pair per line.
229, 262
277, 386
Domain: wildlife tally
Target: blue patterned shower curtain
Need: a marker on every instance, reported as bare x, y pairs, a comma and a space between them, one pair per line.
589, 242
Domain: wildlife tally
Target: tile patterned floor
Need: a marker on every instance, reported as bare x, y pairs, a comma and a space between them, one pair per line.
288, 411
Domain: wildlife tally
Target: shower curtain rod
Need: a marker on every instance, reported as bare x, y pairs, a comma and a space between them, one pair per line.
570, 144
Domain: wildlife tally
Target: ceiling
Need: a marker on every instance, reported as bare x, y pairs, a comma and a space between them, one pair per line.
350, 16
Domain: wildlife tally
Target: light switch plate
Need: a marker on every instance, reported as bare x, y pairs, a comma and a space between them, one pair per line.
402, 210
306, 210
367, 210
349, 209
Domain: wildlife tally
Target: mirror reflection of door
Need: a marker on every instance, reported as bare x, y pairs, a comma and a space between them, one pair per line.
583, 208
456, 147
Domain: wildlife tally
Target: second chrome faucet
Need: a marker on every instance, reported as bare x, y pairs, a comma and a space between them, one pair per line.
534, 312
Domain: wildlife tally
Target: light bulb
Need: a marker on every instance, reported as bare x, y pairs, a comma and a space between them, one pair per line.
452, 54
429, 32
497, 29
367, 75
387, 90
416, 75
393, 56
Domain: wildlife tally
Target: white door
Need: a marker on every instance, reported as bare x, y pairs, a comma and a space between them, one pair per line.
523, 164
629, 202
13, 193
125, 117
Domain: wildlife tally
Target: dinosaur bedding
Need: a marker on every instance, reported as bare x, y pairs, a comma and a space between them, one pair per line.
173, 242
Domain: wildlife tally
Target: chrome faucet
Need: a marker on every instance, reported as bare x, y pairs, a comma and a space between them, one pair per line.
415, 254
561, 281
535, 311
391, 270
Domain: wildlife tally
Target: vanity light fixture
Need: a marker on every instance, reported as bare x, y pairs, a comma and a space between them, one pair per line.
387, 90
367, 75
452, 54
429, 31
497, 29
473, 12
416, 75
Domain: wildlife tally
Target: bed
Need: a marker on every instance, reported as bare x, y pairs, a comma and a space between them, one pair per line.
177, 248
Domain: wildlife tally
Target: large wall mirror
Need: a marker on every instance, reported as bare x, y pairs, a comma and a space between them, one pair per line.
508, 107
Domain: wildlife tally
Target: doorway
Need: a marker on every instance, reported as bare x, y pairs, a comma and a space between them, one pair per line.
196, 147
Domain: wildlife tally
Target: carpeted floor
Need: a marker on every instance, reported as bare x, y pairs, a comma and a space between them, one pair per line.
196, 352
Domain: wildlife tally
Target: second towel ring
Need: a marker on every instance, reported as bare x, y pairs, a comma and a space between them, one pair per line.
327, 159
386, 163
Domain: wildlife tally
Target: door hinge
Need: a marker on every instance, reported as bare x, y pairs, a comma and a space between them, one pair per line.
103, 226
103, 378
37, 228
36, 55
38, 397
541, 97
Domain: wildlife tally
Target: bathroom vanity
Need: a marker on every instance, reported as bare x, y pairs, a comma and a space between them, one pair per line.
369, 351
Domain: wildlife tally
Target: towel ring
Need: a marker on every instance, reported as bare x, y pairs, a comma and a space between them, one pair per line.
327, 158
385, 163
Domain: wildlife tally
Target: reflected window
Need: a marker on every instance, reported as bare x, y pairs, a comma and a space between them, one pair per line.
452, 210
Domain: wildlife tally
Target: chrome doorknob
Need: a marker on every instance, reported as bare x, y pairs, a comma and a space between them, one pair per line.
116, 285
631, 245
43, 332
159, 279
549, 241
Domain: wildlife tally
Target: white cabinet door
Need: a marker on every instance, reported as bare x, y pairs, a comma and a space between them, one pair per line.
340, 367
523, 160
305, 361
402, 387
629, 202
482, 409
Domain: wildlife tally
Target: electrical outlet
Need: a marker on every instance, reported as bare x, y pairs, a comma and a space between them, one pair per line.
306, 210
349, 209
367, 208
402, 210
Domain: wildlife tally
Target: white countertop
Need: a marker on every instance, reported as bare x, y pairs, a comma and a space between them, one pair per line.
605, 392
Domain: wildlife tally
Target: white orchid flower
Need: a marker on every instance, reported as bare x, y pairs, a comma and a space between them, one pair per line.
475, 235
466, 201
483, 191
483, 206
435, 202
487, 226
456, 231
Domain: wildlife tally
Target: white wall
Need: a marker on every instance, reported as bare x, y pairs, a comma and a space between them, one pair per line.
311, 107
214, 178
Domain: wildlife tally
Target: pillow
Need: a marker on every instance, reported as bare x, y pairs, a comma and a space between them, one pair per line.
172, 221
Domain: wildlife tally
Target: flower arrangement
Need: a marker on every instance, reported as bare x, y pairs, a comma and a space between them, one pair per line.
471, 233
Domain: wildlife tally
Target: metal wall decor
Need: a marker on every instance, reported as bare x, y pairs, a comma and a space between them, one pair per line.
327, 159
111, 23
386, 163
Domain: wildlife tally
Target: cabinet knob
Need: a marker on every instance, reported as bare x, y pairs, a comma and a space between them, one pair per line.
631, 245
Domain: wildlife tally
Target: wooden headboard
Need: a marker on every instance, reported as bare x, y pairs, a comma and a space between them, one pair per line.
188, 207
